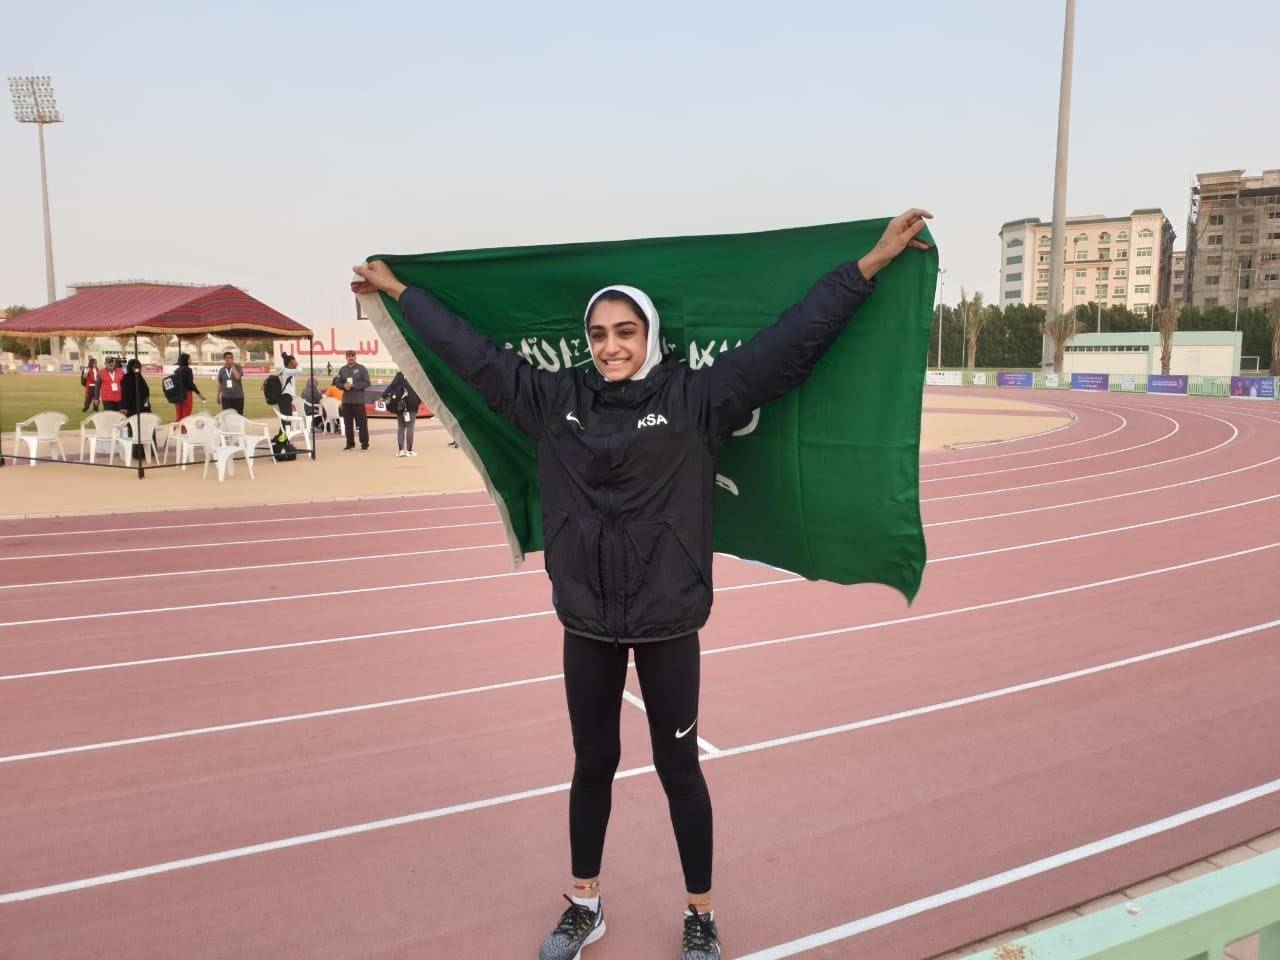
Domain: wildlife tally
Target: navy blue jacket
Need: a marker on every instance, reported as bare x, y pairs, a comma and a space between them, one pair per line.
626, 470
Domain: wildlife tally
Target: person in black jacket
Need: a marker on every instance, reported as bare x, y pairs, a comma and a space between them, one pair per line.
401, 400
626, 472
135, 395
187, 389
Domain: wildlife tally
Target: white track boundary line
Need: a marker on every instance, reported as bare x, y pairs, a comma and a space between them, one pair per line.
421, 816
241, 543
254, 566
283, 598
1117, 496
631, 698
1007, 877
1067, 411
1057, 463
311, 518
497, 576
1094, 476
855, 628
1110, 530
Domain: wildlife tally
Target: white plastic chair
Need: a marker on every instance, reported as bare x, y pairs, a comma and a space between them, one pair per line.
123, 439
182, 432
218, 446
99, 428
331, 409
247, 433
48, 429
298, 424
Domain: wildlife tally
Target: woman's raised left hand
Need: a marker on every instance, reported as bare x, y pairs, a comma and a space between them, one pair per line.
898, 235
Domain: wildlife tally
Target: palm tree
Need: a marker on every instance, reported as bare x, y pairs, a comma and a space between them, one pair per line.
1167, 319
976, 318
1060, 331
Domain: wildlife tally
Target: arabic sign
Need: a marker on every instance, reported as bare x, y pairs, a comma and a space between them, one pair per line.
331, 345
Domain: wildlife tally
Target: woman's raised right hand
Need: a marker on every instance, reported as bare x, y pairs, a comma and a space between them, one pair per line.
378, 278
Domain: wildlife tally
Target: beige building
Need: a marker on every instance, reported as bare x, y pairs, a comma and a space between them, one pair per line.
1114, 261
1178, 285
1233, 239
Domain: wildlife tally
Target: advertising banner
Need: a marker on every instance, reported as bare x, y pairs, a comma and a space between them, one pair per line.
1091, 381
1162, 384
943, 378
1023, 380
1253, 388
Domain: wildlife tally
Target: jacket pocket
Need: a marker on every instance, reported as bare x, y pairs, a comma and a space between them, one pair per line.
665, 582
572, 558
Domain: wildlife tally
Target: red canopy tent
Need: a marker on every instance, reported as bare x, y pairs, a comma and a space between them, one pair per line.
131, 310
118, 309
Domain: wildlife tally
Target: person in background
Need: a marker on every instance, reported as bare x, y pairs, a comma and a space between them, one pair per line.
91, 380
403, 402
135, 394
109, 385
185, 377
231, 384
353, 379
288, 384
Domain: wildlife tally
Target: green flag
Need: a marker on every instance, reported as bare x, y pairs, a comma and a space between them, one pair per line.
823, 482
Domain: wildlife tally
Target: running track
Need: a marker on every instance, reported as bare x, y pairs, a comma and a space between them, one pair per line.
262, 733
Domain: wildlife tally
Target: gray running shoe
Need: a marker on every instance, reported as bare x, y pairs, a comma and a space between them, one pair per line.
578, 926
701, 939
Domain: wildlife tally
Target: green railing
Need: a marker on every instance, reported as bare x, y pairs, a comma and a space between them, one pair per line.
1196, 918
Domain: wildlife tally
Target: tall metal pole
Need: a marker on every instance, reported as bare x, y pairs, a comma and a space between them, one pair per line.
942, 286
33, 102
1058, 242
50, 286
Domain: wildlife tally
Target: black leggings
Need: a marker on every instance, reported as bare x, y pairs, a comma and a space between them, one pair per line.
595, 673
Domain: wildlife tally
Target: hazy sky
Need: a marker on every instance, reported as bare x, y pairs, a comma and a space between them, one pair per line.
272, 145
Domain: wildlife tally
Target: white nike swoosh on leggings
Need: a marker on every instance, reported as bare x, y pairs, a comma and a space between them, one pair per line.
680, 734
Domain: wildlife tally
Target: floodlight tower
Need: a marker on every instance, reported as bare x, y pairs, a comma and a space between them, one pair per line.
33, 102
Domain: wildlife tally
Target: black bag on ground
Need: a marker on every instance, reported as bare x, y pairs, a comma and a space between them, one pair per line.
272, 388
175, 391
281, 448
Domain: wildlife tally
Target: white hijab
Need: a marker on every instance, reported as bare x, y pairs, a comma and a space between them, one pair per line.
654, 355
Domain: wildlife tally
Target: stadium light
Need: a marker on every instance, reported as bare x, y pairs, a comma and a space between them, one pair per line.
33, 102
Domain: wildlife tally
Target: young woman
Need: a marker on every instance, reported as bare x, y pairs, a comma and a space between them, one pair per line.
403, 402
185, 377
135, 394
626, 472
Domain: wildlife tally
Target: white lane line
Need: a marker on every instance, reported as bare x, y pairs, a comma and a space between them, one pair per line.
310, 518
1103, 533
254, 542
497, 576
1057, 463
1007, 877
1036, 436
424, 815
710, 748
1094, 476
635, 701
282, 598
992, 604
255, 566
271, 721
454, 625
1114, 496
855, 628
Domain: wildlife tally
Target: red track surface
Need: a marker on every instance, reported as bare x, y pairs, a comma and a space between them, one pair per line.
1171, 537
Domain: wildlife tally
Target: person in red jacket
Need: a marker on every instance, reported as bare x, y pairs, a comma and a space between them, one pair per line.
112, 384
